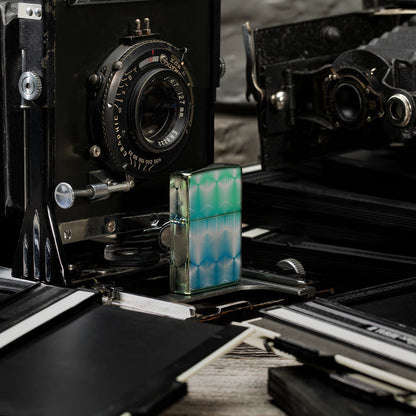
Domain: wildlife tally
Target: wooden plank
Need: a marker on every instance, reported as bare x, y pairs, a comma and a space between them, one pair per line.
235, 384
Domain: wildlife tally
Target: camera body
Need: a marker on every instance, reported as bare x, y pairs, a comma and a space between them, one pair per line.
111, 98
336, 114
350, 85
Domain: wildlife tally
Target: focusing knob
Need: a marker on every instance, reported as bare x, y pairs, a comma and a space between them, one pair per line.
292, 265
223, 66
30, 86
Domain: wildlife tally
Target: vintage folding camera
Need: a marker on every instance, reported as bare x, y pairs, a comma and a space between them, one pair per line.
101, 100
336, 112
335, 83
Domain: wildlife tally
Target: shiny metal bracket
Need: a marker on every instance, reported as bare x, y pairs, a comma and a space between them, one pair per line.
29, 11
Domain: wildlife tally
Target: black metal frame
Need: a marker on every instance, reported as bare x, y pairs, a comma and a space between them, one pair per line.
46, 134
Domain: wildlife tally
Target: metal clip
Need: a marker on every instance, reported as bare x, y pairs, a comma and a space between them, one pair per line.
233, 306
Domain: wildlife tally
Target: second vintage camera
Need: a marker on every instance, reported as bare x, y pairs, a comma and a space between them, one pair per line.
334, 83
336, 115
101, 100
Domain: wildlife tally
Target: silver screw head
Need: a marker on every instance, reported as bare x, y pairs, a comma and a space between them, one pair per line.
95, 151
111, 226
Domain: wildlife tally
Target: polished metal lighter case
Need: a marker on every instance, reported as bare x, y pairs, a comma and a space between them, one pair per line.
205, 216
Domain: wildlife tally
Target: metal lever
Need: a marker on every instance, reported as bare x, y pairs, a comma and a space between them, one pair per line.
65, 195
253, 88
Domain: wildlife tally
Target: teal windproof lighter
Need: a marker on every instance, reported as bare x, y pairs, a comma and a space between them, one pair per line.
205, 218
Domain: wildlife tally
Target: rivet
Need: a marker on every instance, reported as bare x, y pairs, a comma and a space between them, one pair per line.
95, 151
117, 65
111, 226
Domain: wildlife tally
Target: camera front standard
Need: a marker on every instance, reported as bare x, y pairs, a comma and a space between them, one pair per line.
109, 99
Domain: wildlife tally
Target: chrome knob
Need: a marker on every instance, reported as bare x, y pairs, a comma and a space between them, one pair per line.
30, 86
223, 66
64, 195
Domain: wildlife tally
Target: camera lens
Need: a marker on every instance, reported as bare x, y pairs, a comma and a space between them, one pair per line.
143, 112
348, 103
156, 109
159, 110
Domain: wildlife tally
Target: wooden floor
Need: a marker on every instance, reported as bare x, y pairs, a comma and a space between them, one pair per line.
235, 384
